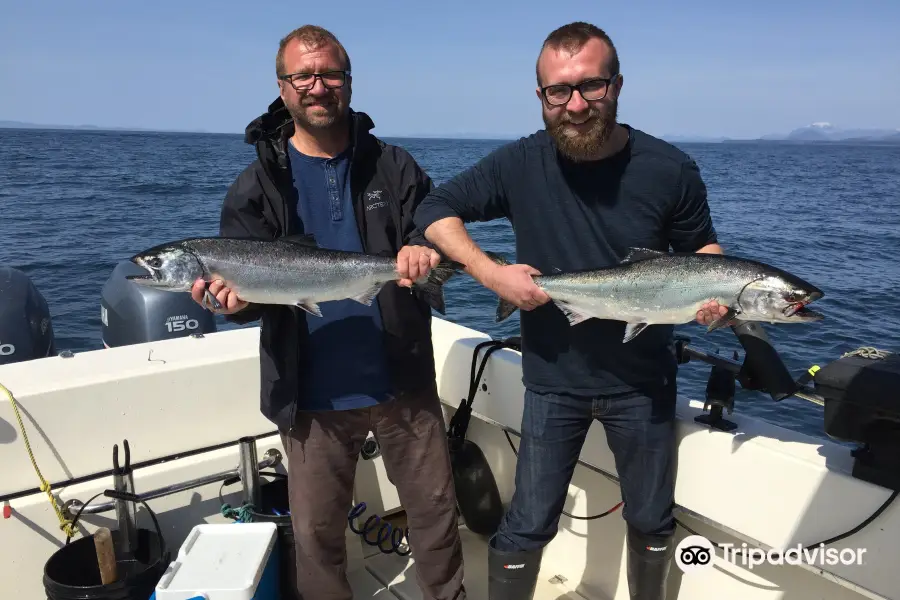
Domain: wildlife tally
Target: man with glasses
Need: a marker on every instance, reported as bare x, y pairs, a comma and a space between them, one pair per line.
579, 194
327, 380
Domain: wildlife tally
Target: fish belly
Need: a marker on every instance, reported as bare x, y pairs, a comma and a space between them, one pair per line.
669, 303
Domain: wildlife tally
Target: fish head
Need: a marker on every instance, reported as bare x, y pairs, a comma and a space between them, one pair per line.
168, 266
779, 298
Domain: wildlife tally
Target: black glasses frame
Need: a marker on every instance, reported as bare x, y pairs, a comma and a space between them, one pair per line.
608, 81
316, 77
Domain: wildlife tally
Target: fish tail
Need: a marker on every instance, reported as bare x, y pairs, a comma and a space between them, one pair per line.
432, 289
497, 258
504, 309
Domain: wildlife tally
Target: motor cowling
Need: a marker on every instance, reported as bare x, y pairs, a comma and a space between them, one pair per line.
134, 314
26, 327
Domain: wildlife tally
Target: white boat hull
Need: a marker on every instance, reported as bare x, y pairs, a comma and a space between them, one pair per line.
760, 483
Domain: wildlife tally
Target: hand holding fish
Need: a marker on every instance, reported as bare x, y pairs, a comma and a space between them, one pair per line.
515, 284
711, 311
414, 262
228, 299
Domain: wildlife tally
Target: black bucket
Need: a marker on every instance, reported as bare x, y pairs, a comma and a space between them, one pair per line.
73, 572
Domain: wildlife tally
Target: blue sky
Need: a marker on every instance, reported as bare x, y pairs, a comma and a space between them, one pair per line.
701, 68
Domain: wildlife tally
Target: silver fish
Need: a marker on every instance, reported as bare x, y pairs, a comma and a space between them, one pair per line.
650, 287
292, 271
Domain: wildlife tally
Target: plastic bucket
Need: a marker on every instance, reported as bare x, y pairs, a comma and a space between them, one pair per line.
73, 573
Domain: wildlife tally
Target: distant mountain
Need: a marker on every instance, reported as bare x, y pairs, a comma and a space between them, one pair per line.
26, 125
814, 133
827, 132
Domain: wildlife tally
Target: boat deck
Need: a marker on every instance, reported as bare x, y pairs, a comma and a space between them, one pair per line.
390, 577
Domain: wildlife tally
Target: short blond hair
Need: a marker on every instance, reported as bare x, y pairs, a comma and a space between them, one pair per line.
312, 36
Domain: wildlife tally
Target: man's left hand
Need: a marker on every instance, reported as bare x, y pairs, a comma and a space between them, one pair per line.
711, 311
414, 262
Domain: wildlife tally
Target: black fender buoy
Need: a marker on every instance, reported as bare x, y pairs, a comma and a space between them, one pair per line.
477, 494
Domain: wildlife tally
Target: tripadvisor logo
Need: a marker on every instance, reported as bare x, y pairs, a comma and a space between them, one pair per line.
797, 555
695, 552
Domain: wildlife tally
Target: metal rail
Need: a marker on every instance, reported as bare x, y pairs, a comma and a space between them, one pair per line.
271, 458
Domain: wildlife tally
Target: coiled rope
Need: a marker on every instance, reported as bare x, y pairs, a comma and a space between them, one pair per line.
867, 352
64, 524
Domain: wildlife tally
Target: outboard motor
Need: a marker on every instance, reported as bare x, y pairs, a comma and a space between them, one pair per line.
133, 314
26, 329
862, 405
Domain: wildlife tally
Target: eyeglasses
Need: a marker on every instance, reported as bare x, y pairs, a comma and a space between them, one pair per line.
306, 81
592, 89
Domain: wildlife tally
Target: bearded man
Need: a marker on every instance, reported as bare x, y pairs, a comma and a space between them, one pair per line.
579, 194
327, 379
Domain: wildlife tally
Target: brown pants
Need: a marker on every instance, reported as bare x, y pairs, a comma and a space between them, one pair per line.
323, 449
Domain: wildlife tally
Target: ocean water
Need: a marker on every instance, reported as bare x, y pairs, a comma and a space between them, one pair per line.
74, 203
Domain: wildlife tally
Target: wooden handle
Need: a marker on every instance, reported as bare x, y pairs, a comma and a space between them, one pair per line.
106, 555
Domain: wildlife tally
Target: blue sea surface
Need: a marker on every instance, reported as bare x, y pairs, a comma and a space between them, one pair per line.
75, 203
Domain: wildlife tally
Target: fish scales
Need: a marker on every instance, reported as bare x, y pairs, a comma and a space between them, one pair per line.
653, 288
270, 273
292, 271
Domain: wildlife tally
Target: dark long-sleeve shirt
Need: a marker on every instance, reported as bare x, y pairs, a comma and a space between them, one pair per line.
570, 216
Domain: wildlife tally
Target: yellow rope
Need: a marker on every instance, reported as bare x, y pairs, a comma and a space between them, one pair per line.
64, 524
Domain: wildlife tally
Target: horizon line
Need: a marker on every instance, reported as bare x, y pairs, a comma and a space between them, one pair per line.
13, 125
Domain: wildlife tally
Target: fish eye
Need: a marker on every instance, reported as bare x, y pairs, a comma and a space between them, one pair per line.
154, 262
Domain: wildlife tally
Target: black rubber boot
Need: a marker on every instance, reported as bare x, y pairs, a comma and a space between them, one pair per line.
512, 575
649, 559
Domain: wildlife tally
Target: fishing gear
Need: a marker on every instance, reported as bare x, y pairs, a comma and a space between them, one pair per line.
386, 533
486, 516
477, 494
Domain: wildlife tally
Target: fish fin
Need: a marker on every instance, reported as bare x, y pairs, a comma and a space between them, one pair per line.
722, 321
310, 307
639, 254
432, 288
213, 301
301, 239
497, 258
572, 315
504, 309
632, 330
368, 296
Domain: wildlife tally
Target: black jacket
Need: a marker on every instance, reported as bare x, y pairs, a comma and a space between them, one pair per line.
386, 186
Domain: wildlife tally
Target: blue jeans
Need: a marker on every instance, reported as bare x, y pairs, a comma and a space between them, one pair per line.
640, 431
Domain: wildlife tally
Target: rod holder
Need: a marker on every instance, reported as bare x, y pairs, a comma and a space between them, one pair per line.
248, 471
763, 368
126, 517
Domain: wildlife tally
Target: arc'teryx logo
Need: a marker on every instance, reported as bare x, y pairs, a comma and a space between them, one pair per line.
376, 196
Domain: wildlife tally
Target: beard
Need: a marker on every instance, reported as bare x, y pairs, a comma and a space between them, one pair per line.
585, 145
321, 113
